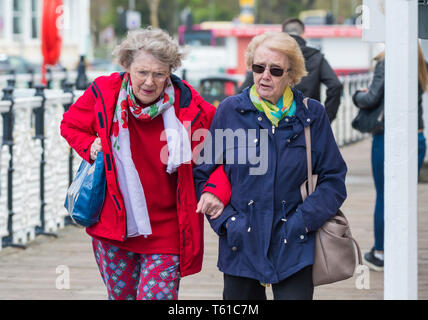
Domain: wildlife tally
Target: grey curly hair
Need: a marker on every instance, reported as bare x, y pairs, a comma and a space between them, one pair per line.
152, 40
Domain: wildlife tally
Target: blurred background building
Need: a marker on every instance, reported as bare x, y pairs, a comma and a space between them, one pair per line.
20, 31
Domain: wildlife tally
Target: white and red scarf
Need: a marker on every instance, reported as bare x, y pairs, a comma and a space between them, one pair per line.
179, 150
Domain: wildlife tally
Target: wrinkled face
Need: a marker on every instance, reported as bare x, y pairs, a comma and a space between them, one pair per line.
148, 76
268, 86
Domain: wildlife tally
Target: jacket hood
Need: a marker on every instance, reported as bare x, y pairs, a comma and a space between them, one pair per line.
307, 51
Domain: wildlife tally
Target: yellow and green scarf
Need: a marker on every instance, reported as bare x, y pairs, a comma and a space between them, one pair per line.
285, 106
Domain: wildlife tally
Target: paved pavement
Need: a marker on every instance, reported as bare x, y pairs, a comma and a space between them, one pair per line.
40, 271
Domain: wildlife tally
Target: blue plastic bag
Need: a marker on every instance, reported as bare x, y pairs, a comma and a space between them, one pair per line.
85, 196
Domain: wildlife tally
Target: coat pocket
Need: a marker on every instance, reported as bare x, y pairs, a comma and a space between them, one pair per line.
295, 229
235, 226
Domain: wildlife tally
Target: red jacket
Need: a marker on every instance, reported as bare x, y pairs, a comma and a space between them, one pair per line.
92, 115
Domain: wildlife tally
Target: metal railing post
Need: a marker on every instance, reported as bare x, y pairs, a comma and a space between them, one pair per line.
30, 83
68, 88
8, 123
40, 134
64, 81
49, 78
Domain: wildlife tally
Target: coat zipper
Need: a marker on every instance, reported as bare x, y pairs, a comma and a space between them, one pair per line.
251, 217
114, 165
193, 121
284, 219
178, 191
283, 211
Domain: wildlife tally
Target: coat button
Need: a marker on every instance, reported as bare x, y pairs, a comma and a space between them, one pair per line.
256, 140
285, 241
259, 118
286, 120
302, 236
242, 111
233, 218
234, 248
308, 120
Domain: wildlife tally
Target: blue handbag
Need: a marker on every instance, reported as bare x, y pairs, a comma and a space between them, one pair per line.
85, 196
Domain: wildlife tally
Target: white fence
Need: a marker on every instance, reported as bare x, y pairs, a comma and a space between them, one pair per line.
342, 129
36, 163
55, 79
34, 171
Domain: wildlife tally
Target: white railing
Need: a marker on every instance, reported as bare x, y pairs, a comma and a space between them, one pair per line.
54, 78
35, 160
34, 171
341, 126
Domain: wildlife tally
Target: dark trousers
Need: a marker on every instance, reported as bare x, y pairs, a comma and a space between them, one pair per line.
298, 286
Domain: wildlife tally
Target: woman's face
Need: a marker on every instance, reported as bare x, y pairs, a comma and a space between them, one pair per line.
148, 76
270, 87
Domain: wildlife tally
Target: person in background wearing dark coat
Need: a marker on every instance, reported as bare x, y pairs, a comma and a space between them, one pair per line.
318, 68
371, 98
266, 232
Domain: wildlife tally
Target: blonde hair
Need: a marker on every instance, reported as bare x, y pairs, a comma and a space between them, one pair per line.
422, 70
283, 43
152, 40
422, 67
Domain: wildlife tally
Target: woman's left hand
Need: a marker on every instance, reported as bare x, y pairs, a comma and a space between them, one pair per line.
211, 205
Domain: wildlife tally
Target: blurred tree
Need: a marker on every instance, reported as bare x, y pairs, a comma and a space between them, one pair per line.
154, 9
211, 10
276, 11
102, 15
166, 13
342, 10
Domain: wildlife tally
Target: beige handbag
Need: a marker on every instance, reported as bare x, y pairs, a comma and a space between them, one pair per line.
335, 247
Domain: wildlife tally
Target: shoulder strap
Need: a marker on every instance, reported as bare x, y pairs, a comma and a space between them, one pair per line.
311, 186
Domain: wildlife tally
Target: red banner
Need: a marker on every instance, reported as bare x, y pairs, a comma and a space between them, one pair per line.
50, 35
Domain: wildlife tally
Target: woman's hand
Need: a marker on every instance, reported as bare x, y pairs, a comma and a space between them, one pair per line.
211, 205
96, 146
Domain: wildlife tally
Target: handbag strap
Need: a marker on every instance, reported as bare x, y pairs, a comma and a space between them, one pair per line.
307, 129
311, 184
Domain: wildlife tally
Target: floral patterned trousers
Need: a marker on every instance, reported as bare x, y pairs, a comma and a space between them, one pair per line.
129, 276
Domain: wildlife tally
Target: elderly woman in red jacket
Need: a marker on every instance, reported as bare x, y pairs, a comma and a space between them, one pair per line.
149, 233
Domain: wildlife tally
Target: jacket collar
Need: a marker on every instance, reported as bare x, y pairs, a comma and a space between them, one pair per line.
304, 115
185, 92
189, 102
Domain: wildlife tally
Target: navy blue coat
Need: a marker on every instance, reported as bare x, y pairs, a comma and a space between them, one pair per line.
262, 232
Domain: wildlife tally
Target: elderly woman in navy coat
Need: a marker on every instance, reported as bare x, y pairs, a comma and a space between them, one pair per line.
266, 233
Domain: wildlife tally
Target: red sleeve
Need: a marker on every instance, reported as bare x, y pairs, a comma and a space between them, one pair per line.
218, 184
78, 125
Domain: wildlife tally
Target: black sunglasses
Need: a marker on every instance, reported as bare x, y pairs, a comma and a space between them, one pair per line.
275, 71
